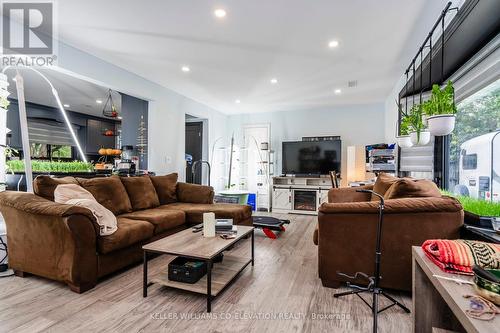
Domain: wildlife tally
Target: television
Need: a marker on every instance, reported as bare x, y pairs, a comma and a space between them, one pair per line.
305, 158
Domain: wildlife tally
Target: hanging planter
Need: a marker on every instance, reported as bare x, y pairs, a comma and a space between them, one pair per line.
109, 109
441, 125
419, 135
420, 138
404, 141
441, 110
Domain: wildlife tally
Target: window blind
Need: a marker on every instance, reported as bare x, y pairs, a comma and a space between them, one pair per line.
417, 158
50, 132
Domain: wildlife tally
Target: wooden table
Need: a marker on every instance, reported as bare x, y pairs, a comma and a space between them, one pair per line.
440, 303
194, 246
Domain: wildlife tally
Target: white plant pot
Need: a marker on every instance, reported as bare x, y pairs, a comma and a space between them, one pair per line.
425, 137
404, 141
441, 125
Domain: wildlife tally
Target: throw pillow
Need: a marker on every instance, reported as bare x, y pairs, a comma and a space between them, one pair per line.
109, 192
44, 185
412, 188
141, 192
166, 188
382, 184
72, 194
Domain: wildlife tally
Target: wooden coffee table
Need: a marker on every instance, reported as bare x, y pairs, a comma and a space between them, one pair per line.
194, 246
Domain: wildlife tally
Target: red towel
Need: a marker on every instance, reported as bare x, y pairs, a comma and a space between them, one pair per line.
458, 256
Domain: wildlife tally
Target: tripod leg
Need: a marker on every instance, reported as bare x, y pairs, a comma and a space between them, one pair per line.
351, 292
392, 299
375, 311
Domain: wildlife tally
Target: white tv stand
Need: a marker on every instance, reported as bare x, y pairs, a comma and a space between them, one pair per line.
299, 195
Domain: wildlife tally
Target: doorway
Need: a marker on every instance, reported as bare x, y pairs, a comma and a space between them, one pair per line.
194, 150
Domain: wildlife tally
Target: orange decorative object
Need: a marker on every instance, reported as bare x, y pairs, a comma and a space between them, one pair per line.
117, 151
108, 133
99, 166
102, 151
109, 151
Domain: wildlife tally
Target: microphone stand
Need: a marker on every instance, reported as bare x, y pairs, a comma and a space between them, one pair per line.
373, 285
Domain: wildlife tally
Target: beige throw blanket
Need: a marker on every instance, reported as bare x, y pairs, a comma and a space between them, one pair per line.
73, 194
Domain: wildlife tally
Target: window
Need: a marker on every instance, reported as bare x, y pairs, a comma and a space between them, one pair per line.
475, 145
38, 150
60, 151
469, 162
49, 152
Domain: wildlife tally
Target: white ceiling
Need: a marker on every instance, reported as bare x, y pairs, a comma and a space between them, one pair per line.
79, 94
234, 58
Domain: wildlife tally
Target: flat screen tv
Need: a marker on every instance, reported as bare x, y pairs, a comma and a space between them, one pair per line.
311, 158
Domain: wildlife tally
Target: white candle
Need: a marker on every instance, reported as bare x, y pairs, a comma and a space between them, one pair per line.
208, 224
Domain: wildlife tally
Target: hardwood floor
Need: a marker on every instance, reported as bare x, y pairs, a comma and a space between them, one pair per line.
281, 293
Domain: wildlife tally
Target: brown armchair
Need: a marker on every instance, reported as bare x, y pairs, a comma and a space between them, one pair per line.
346, 232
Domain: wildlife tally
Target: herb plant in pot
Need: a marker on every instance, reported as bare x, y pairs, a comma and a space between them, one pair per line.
404, 140
419, 135
441, 110
403, 129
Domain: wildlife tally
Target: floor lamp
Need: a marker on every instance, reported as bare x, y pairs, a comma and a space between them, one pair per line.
24, 121
373, 285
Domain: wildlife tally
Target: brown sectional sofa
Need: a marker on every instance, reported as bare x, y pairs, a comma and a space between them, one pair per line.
62, 242
346, 230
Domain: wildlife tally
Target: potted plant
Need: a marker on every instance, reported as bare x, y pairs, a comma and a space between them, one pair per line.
403, 131
419, 135
441, 110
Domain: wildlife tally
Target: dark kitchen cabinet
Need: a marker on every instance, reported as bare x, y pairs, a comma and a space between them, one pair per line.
95, 135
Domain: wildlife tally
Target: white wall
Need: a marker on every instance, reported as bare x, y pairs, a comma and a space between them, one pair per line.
167, 108
356, 125
391, 111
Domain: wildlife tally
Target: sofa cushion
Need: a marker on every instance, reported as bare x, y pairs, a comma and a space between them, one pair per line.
45, 186
109, 192
165, 187
141, 192
194, 193
412, 188
161, 219
129, 232
382, 184
194, 212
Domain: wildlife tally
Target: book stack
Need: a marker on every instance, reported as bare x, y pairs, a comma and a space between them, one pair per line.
225, 227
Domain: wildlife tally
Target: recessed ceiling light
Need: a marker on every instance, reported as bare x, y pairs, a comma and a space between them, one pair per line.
185, 69
220, 13
98, 101
337, 91
273, 80
66, 105
333, 43
237, 101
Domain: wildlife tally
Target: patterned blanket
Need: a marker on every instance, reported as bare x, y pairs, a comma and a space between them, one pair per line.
458, 256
